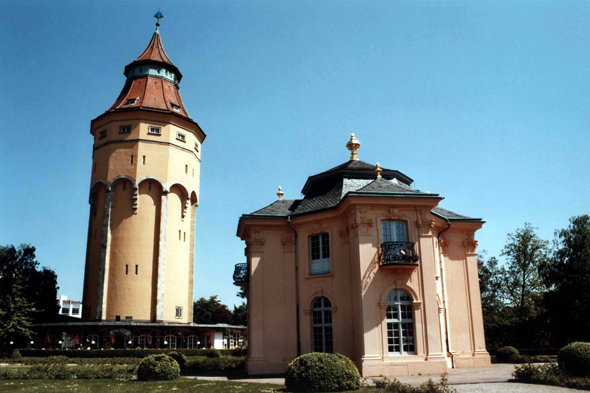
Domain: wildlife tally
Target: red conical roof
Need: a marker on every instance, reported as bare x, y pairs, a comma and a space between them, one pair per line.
155, 51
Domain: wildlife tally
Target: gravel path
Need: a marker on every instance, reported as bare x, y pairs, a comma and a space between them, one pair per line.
510, 388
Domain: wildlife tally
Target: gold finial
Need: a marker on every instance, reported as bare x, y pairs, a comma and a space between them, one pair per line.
280, 193
378, 171
353, 145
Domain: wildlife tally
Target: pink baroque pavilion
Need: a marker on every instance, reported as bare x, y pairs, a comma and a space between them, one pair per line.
366, 266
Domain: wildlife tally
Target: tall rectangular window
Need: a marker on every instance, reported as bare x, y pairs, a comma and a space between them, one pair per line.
394, 231
178, 312
131, 160
136, 269
319, 247
126, 270
143, 161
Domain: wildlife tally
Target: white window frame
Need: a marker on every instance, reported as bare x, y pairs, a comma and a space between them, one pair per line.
320, 262
321, 325
153, 130
394, 231
399, 318
178, 312
175, 107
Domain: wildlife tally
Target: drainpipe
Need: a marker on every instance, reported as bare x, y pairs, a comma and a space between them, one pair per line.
444, 297
296, 286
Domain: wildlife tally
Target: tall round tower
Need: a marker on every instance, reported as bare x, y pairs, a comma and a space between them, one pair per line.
143, 196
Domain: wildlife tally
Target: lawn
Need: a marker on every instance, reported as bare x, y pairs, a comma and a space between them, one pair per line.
179, 386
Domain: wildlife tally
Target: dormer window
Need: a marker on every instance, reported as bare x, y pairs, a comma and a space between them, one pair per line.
176, 108
102, 134
131, 101
155, 131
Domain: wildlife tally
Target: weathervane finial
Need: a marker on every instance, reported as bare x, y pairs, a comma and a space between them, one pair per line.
158, 16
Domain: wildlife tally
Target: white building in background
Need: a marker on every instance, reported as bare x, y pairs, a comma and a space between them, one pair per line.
70, 308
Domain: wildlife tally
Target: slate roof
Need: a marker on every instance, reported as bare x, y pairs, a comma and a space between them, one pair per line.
348, 185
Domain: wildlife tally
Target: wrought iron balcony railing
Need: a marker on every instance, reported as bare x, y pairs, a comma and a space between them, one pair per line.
397, 253
241, 273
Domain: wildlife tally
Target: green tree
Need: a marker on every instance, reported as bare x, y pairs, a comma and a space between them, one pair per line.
241, 314
27, 295
568, 275
526, 256
211, 311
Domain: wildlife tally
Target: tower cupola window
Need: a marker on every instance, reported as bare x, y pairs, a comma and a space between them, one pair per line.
125, 130
102, 134
176, 108
180, 136
131, 101
155, 131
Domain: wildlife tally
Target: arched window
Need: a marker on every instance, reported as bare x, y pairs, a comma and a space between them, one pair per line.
394, 231
192, 342
400, 323
170, 342
321, 324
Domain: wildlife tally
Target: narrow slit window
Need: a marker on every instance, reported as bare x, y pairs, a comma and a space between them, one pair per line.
136, 269
179, 235
150, 186
143, 161
178, 312
185, 236
196, 147
186, 169
193, 172
131, 161
126, 270
124, 186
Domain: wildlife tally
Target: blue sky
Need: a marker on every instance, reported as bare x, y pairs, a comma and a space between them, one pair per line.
485, 104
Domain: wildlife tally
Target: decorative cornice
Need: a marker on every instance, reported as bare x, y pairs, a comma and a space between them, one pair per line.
395, 214
255, 241
359, 222
288, 242
425, 222
344, 232
470, 243
444, 245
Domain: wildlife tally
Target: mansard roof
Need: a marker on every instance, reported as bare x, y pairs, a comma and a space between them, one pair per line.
353, 178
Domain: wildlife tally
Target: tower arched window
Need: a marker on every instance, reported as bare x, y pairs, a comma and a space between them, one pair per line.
321, 325
394, 231
400, 323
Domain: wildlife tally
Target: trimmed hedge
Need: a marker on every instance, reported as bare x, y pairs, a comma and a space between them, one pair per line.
180, 359
507, 355
226, 363
213, 353
61, 371
116, 353
574, 359
65, 360
158, 368
322, 372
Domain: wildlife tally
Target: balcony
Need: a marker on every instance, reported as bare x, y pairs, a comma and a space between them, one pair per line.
241, 276
400, 254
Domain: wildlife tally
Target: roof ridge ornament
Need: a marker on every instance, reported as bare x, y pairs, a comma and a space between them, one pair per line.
378, 171
280, 193
353, 145
158, 16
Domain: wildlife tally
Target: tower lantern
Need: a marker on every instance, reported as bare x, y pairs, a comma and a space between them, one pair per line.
143, 195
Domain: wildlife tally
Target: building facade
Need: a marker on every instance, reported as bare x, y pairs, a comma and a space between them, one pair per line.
366, 266
69, 308
144, 191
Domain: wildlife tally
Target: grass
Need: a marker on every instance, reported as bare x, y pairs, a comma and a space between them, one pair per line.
179, 386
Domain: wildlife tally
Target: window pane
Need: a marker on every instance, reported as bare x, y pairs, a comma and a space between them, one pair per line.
325, 246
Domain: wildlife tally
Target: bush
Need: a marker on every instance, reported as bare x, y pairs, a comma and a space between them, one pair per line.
158, 368
574, 359
180, 359
58, 360
213, 353
238, 352
225, 363
61, 371
114, 353
322, 372
15, 355
395, 386
507, 355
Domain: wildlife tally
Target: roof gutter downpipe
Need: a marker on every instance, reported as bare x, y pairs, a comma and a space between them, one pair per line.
296, 286
444, 297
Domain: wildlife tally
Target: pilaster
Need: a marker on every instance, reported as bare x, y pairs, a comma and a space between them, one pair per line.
105, 256
162, 257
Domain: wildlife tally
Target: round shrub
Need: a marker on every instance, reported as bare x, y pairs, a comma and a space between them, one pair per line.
574, 359
507, 355
322, 372
238, 352
158, 368
180, 359
214, 353
15, 355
